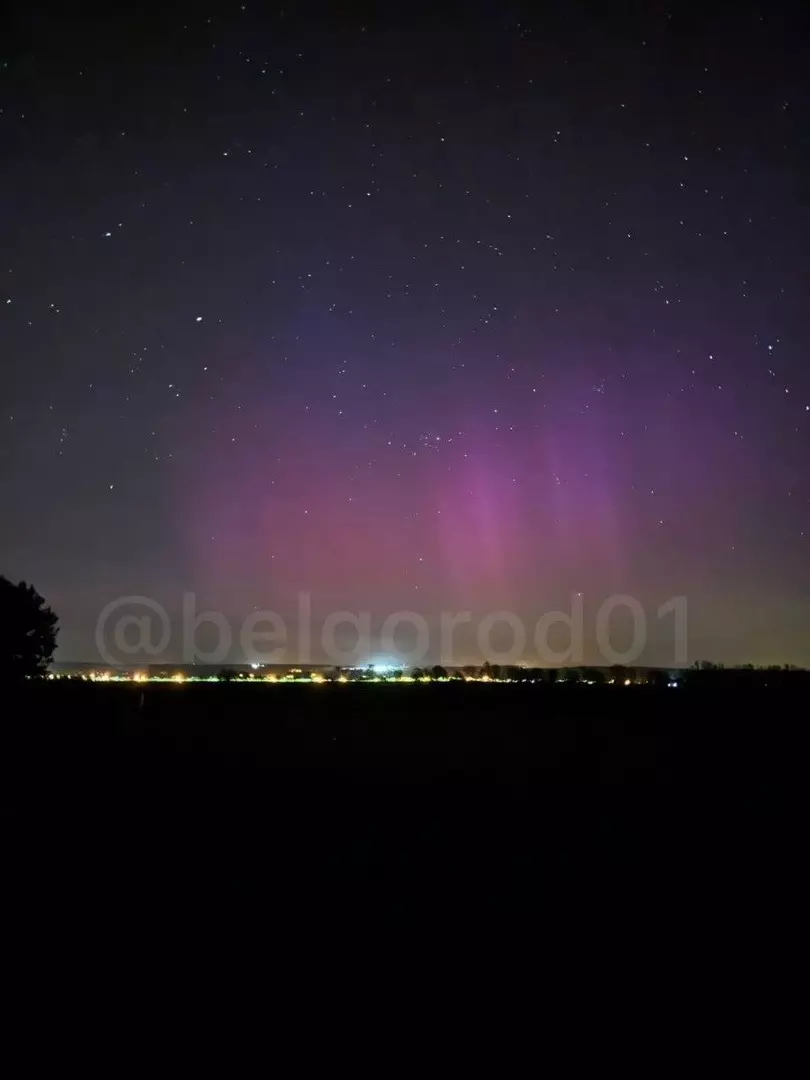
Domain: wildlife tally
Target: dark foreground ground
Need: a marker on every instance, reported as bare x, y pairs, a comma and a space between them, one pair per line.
496, 820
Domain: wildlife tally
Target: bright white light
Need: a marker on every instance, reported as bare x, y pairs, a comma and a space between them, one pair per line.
383, 667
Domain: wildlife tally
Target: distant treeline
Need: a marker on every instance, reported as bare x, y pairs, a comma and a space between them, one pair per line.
699, 675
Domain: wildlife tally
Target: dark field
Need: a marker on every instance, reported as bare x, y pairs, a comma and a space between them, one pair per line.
493, 818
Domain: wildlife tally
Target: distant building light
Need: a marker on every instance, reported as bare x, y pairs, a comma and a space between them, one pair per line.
383, 668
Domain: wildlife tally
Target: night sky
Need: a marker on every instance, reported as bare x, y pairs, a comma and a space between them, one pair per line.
410, 310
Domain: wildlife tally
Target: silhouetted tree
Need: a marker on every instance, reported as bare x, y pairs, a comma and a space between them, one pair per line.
227, 675
28, 630
438, 672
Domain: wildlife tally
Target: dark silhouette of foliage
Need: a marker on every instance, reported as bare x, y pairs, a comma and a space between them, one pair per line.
28, 630
227, 675
438, 672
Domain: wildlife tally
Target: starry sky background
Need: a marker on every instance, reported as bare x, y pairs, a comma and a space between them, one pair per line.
445, 310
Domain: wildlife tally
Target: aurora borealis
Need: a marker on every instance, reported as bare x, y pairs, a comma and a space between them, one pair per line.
410, 311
